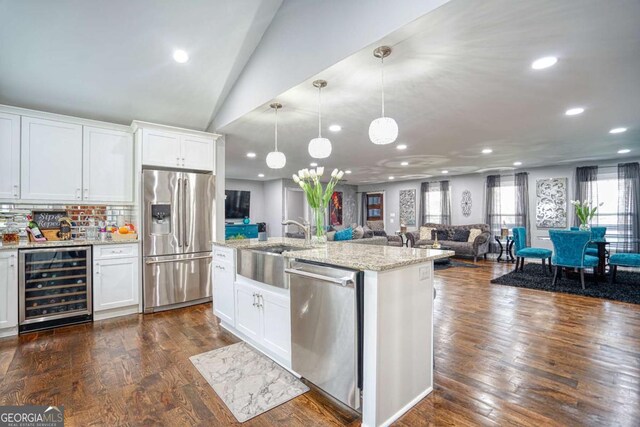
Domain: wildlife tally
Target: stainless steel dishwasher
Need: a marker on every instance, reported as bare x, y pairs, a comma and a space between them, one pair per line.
326, 328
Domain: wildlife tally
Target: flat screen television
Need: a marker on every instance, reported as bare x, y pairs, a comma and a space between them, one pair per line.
236, 204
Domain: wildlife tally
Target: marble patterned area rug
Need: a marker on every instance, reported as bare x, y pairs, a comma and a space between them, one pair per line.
248, 382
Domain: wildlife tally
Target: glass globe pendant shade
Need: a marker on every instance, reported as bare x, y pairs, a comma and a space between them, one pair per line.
276, 160
383, 130
320, 148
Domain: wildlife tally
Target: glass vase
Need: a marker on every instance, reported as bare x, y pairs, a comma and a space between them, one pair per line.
319, 226
585, 227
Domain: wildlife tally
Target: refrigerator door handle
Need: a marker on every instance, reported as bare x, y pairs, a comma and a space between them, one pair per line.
164, 261
179, 222
184, 212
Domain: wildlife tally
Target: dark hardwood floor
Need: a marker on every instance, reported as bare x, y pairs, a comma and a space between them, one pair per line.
504, 356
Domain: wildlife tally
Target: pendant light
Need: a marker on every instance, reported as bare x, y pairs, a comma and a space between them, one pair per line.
383, 130
276, 159
320, 148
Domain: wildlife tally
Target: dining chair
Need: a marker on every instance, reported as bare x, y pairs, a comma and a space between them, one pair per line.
522, 251
597, 233
569, 250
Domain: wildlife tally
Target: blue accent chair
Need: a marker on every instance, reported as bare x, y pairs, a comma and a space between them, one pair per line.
522, 251
597, 233
622, 260
570, 249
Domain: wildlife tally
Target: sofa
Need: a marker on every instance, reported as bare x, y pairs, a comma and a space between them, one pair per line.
479, 246
366, 239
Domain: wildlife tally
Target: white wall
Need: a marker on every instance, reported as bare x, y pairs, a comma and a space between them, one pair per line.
257, 207
274, 207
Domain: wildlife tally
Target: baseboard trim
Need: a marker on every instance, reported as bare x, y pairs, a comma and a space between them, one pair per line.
115, 312
404, 409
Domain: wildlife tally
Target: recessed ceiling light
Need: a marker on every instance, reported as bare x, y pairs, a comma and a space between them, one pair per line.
445, 172
624, 151
347, 171
251, 154
404, 164
392, 177
487, 151
618, 130
180, 56
335, 128
401, 146
260, 175
574, 111
546, 62
517, 163
313, 164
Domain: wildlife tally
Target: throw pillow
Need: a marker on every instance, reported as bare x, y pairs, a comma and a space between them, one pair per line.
331, 235
380, 233
442, 235
345, 234
473, 233
376, 225
368, 233
425, 233
358, 233
460, 235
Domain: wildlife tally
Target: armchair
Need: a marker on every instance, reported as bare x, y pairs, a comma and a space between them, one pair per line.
570, 251
597, 233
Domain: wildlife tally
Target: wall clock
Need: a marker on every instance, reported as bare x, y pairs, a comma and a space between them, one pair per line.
465, 203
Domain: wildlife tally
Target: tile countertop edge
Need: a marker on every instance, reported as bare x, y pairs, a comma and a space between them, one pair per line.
63, 243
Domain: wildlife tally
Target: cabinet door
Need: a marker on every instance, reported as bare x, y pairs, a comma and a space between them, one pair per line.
51, 160
115, 283
10, 159
247, 311
107, 165
223, 301
8, 289
276, 324
161, 148
197, 153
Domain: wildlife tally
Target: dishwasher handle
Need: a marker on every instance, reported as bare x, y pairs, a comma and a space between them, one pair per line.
344, 281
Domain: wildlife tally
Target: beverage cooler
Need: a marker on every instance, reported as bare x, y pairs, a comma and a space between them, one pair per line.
55, 287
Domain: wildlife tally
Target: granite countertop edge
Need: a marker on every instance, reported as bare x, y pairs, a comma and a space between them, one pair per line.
62, 243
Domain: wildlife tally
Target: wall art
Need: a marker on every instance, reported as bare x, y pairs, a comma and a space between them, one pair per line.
551, 203
335, 208
466, 203
408, 207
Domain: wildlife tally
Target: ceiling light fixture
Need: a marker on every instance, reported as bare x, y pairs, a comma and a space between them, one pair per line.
335, 128
487, 151
517, 163
618, 130
404, 164
347, 171
180, 56
542, 63
383, 130
401, 146
313, 164
251, 155
276, 159
445, 172
624, 151
392, 177
320, 148
260, 175
574, 111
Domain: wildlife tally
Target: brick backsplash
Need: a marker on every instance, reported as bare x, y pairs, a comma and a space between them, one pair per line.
80, 214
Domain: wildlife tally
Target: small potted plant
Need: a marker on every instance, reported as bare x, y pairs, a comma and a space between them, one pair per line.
585, 211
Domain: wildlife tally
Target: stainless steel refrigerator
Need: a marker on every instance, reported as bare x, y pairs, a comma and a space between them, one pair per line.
177, 228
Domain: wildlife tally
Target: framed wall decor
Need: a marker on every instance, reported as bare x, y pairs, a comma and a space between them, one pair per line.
551, 203
466, 203
335, 208
408, 207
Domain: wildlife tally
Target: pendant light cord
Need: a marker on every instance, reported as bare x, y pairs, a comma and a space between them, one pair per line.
276, 130
320, 112
382, 79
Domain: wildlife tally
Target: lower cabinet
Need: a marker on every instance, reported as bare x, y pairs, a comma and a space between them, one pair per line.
263, 316
223, 278
8, 293
116, 289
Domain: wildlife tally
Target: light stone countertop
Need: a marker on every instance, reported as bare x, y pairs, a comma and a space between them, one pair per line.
25, 244
351, 255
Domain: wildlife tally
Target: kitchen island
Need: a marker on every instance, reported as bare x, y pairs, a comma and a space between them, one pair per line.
397, 320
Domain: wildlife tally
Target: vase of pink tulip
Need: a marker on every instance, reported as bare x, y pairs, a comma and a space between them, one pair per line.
318, 197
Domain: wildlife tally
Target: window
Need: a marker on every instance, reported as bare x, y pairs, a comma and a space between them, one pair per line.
436, 202
503, 195
375, 206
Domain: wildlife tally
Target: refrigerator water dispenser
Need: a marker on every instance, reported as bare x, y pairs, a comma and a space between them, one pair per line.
160, 218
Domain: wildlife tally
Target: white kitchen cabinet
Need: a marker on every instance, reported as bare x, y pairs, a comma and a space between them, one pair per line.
8, 293
116, 281
248, 313
276, 324
51, 160
223, 299
197, 152
10, 158
107, 165
161, 148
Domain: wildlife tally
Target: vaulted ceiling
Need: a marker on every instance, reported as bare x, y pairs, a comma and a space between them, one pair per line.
112, 60
460, 80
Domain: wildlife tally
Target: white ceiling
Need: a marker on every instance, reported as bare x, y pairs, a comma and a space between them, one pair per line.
459, 80
112, 60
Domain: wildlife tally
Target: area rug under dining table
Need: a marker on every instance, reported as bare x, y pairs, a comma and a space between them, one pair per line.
626, 287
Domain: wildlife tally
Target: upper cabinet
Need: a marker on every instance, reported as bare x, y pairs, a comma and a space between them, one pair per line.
107, 173
51, 160
176, 149
10, 159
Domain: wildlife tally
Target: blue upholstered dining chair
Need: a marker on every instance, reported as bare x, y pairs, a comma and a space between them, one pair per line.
522, 251
597, 233
570, 249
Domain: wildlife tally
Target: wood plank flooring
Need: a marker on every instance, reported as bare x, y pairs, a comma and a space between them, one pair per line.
504, 356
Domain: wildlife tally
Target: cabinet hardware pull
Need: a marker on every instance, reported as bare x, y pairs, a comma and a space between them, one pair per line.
260, 301
12, 261
97, 268
178, 161
86, 193
254, 300
15, 191
183, 161
78, 194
